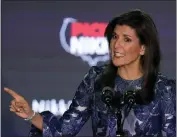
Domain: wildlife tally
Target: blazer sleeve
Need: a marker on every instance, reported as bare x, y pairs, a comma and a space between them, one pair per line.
168, 107
75, 117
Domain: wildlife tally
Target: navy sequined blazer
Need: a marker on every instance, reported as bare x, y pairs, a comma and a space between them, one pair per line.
155, 119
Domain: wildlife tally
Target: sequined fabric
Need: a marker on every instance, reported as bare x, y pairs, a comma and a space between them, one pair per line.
156, 119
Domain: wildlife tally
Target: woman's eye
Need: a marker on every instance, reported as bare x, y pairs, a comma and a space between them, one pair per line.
127, 40
114, 36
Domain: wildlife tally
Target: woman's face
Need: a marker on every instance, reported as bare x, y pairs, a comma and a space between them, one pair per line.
125, 46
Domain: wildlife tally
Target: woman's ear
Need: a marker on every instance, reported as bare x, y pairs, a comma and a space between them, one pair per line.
142, 50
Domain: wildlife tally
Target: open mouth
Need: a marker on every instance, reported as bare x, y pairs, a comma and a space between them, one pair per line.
117, 54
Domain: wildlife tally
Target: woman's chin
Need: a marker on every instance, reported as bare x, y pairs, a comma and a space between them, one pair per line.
117, 64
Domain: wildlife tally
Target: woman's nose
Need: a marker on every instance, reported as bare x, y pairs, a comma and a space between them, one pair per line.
118, 43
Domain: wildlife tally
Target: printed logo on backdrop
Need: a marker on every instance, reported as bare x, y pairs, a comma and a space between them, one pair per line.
57, 107
85, 40
81, 39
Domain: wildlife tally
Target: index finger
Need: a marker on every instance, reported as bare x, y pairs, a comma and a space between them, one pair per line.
13, 93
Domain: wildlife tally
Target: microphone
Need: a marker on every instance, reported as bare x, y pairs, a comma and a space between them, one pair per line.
118, 100
107, 95
129, 97
132, 96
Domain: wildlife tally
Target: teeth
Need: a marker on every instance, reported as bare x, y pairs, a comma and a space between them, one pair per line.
117, 54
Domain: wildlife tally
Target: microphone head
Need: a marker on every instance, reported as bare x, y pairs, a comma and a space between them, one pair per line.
129, 97
133, 95
107, 95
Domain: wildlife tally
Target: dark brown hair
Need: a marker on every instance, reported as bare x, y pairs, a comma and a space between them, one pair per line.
147, 33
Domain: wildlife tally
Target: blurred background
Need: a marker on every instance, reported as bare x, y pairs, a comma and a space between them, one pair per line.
48, 46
